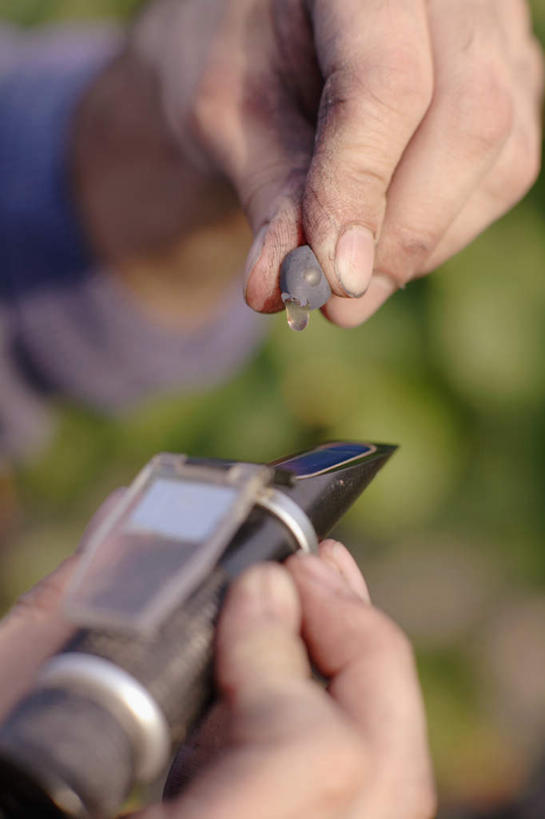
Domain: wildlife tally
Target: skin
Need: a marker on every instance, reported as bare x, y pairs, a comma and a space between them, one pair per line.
386, 135
279, 745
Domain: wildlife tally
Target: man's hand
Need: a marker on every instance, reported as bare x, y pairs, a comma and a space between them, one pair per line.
279, 745
387, 135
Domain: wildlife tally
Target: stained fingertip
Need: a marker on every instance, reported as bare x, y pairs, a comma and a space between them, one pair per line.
271, 245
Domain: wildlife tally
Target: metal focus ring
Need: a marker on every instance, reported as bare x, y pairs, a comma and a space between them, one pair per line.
291, 515
121, 694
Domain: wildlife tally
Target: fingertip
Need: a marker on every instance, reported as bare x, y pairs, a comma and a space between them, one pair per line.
338, 555
332, 571
274, 240
263, 592
258, 647
350, 313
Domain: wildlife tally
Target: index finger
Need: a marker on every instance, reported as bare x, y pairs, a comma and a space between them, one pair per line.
367, 659
376, 61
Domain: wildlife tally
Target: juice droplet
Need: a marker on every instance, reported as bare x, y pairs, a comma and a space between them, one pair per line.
297, 316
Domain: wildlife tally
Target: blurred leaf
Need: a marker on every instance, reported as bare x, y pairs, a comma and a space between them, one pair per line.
394, 408
489, 315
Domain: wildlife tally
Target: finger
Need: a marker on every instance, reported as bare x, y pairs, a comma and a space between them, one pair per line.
252, 116
518, 171
33, 629
366, 657
284, 729
258, 648
36, 626
515, 172
338, 555
353, 312
469, 121
518, 15
211, 738
373, 679
376, 61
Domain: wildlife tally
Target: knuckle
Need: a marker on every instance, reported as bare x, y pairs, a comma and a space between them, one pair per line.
400, 83
403, 82
484, 106
405, 249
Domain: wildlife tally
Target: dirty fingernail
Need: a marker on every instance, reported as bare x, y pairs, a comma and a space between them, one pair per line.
354, 259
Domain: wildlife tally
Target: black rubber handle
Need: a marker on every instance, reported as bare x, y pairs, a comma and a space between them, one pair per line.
74, 749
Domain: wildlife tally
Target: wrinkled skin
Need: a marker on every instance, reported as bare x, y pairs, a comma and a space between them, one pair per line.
417, 121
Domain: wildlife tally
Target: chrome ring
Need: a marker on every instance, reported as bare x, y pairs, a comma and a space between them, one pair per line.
291, 515
121, 694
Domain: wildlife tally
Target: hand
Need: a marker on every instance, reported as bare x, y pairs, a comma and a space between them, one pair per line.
279, 745
284, 747
386, 135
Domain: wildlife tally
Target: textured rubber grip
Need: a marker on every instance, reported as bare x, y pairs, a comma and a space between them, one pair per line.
70, 744
61, 754
174, 664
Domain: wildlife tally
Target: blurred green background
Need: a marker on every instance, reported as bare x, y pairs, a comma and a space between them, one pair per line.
450, 536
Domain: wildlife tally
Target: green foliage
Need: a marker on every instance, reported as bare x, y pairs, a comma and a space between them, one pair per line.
35, 12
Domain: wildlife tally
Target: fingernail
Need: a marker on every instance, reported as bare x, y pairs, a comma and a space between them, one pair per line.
354, 259
268, 591
339, 556
255, 252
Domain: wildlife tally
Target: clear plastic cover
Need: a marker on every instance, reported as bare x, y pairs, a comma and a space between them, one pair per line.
163, 538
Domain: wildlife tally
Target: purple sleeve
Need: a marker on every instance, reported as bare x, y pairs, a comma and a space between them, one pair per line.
67, 326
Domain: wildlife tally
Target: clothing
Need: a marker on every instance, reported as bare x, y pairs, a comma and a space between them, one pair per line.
66, 325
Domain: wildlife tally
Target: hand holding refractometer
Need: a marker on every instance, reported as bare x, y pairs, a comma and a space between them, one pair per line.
106, 710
